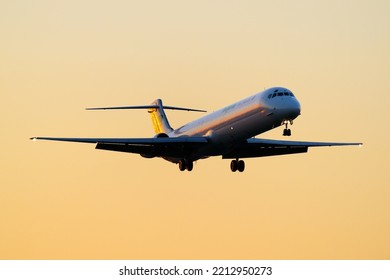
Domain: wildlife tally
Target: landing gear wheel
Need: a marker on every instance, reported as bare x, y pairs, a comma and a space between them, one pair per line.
182, 165
190, 165
286, 132
237, 165
241, 165
234, 165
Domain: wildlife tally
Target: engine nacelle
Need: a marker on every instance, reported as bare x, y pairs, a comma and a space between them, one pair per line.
159, 135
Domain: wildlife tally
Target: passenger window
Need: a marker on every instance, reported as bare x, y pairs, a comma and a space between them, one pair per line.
269, 95
280, 93
286, 93
273, 95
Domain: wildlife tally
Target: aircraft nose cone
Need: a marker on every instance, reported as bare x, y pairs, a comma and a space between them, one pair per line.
292, 109
296, 108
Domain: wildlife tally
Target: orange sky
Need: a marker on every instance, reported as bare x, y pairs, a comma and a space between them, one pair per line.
69, 201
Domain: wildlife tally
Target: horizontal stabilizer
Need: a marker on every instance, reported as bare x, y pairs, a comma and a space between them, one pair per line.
152, 106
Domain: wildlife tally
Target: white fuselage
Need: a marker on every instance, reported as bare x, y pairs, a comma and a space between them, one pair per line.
242, 120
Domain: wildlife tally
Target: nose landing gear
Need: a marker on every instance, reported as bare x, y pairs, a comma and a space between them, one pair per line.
287, 131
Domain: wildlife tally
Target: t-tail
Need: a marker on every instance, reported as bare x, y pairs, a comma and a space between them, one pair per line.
157, 114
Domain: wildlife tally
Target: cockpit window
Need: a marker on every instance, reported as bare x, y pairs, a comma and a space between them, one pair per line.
280, 93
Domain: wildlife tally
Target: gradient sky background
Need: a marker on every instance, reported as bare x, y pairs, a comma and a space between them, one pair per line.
69, 201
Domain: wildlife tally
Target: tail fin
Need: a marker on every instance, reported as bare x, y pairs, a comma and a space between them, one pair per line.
159, 119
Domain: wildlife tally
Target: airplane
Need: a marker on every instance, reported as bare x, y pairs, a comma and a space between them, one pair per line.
228, 132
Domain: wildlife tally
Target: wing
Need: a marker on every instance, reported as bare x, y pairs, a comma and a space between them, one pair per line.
266, 147
147, 147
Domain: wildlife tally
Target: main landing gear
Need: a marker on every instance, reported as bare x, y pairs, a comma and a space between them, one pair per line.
287, 131
186, 164
237, 165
